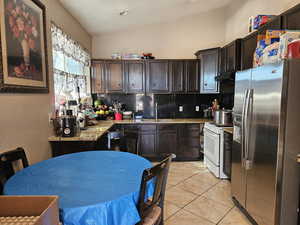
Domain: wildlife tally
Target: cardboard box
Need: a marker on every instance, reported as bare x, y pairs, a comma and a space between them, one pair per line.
285, 39
44, 209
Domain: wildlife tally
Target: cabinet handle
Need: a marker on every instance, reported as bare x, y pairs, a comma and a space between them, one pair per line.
205, 84
119, 85
298, 158
132, 85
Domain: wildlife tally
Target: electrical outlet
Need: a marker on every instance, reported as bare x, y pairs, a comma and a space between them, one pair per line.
180, 108
197, 108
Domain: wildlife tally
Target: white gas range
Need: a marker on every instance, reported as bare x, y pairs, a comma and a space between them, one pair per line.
214, 149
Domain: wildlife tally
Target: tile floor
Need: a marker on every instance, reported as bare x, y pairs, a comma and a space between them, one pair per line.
195, 197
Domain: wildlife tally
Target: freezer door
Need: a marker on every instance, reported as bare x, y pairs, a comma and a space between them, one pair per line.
242, 83
238, 178
261, 155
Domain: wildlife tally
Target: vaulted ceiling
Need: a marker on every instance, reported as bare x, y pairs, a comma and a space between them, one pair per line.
100, 16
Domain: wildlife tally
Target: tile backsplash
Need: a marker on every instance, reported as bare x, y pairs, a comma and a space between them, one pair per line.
168, 104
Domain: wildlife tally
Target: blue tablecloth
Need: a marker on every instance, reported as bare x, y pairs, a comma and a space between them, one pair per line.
95, 188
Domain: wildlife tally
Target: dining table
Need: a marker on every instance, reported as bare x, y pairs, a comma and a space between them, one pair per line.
94, 188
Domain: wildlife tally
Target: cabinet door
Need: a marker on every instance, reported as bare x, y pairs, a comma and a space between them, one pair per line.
178, 78
209, 71
115, 76
248, 47
193, 76
231, 58
223, 58
148, 144
135, 76
98, 78
166, 140
189, 142
158, 76
291, 18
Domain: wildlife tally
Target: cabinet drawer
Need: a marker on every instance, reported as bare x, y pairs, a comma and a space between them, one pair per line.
167, 127
148, 128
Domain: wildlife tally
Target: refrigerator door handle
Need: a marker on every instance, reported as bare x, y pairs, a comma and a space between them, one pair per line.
248, 113
243, 125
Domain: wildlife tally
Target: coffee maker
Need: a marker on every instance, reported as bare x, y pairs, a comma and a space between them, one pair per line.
66, 125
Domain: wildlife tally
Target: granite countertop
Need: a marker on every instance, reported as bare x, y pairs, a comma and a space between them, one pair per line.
229, 130
93, 133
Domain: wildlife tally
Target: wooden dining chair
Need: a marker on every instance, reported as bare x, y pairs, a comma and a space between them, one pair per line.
2, 177
7, 160
151, 211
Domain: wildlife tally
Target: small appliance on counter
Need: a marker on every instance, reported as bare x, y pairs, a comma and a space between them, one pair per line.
81, 118
66, 125
223, 118
69, 126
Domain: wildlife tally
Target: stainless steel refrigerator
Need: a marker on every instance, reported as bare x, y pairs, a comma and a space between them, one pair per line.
265, 173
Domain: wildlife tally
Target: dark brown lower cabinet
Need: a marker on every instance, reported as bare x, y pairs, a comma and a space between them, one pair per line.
147, 135
67, 147
189, 142
166, 140
183, 140
156, 141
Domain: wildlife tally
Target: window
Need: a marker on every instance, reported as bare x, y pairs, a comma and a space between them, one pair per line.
71, 67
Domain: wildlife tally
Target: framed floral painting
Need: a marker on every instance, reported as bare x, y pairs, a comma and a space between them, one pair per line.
23, 65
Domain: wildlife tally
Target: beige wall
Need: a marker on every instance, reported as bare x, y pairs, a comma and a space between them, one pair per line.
239, 12
24, 117
179, 39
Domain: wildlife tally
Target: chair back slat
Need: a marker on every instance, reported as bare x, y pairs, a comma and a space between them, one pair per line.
7, 160
158, 172
3, 177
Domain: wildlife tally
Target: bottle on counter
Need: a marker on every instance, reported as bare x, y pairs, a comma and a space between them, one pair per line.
215, 107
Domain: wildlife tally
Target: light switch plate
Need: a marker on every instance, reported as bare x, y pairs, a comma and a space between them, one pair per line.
180, 108
197, 108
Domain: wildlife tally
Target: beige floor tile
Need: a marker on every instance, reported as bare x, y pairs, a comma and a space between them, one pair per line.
220, 193
235, 217
179, 197
170, 209
186, 218
184, 170
208, 209
196, 185
176, 178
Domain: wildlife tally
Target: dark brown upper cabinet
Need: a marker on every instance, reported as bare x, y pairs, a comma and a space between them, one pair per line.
178, 76
135, 76
158, 76
192, 76
248, 47
209, 70
223, 62
230, 59
98, 77
114, 76
291, 18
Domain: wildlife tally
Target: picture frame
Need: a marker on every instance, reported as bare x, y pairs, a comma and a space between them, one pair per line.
23, 47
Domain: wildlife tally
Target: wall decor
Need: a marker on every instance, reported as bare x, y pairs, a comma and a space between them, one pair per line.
23, 60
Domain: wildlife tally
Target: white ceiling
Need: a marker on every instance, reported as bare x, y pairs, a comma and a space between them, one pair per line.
100, 16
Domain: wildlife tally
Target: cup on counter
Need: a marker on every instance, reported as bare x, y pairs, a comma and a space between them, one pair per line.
118, 116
